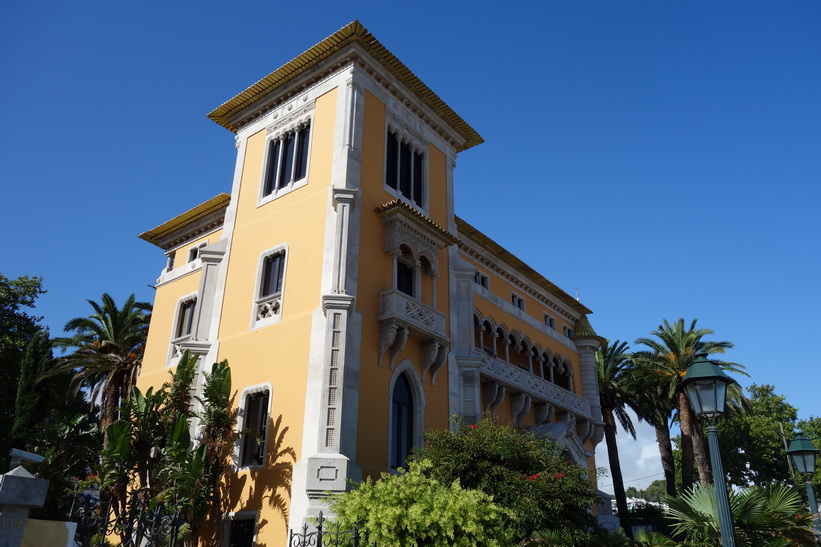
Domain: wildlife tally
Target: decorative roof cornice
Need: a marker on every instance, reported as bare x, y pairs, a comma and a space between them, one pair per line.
399, 207
518, 265
584, 331
353, 33
160, 235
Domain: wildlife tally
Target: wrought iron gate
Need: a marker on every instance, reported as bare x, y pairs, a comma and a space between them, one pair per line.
144, 523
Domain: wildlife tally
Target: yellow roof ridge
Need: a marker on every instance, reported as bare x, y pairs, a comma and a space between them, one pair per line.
518, 264
180, 221
352, 33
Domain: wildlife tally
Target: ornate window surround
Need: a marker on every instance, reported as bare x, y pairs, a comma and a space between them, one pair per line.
273, 302
293, 122
241, 419
175, 351
407, 368
405, 134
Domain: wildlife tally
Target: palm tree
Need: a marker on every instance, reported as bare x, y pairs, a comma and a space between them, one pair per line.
673, 349
613, 367
108, 351
654, 405
762, 515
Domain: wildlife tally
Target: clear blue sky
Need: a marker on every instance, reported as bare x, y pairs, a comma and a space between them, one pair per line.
663, 158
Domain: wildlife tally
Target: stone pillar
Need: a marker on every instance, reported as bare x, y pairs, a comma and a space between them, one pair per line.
19, 491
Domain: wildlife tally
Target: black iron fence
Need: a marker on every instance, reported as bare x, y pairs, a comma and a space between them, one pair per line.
326, 534
143, 523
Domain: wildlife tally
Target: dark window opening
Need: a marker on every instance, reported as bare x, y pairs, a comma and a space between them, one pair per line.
287, 159
272, 275
185, 322
404, 278
256, 425
391, 167
241, 533
402, 422
404, 170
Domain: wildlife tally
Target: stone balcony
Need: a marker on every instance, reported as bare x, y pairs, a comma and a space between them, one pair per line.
538, 389
402, 316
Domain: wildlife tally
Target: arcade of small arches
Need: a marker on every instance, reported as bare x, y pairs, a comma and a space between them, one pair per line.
500, 342
410, 267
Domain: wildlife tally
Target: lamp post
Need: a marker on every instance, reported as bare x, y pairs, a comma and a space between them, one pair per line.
803, 455
706, 388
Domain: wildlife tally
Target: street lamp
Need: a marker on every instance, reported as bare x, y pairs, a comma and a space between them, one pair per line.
706, 388
803, 456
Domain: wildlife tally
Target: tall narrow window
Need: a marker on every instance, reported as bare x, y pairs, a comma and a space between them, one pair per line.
287, 159
391, 167
185, 318
272, 273
404, 169
286, 174
402, 422
270, 284
404, 278
255, 428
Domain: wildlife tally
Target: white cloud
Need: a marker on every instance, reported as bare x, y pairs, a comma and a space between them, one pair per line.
640, 461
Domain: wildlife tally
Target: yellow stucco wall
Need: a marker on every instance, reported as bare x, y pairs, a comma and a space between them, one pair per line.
157, 351
277, 353
375, 271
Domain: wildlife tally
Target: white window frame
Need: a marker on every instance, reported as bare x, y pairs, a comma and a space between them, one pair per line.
195, 248
259, 300
241, 419
482, 280
550, 321
416, 144
278, 134
517, 300
567, 331
225, 535
175, 340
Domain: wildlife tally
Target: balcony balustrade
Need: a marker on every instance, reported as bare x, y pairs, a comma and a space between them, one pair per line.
535, 387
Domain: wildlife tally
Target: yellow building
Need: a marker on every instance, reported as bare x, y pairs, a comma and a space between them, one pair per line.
356, 310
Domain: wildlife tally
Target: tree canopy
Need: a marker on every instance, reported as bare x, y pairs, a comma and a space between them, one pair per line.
752, 446
17, 329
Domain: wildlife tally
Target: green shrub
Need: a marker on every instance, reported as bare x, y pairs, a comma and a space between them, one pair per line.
411, 509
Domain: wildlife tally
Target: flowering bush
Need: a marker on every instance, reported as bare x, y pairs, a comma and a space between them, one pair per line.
522, 473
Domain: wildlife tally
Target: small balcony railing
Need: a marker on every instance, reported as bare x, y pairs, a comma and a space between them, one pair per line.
423, 321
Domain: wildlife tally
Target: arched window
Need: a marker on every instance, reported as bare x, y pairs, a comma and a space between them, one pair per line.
402, 418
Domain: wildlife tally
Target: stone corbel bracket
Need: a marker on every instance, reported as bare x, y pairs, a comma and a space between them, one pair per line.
434, 355
392, 336
520, 406
494, 394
